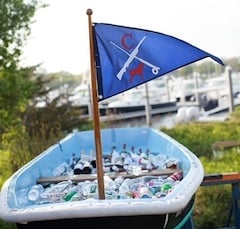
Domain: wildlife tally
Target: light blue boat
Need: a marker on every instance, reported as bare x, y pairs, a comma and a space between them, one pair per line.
169, 211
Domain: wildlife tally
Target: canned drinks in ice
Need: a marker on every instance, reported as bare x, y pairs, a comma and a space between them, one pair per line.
177, 176
34, 192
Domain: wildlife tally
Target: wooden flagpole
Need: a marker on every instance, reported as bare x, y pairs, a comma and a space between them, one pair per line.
96, 122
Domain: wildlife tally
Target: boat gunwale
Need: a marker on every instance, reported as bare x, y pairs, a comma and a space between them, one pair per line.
173, 202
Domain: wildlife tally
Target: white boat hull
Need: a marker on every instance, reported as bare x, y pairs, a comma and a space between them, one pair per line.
14, 207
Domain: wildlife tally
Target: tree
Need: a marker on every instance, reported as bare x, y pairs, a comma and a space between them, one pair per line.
16, 89
16, 17
234, 63
186, 71
16, 86
25, 130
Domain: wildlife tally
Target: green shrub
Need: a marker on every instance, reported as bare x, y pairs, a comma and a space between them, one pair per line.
213, 201
199, 137
6, 225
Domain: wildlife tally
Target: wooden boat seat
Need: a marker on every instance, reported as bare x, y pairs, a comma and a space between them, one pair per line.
83, 177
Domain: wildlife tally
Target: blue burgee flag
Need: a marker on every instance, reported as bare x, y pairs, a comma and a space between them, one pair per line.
127, 57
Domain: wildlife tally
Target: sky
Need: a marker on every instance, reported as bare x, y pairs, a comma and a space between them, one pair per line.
59, 39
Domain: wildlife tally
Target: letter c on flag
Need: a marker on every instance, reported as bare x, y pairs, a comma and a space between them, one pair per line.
124, 41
